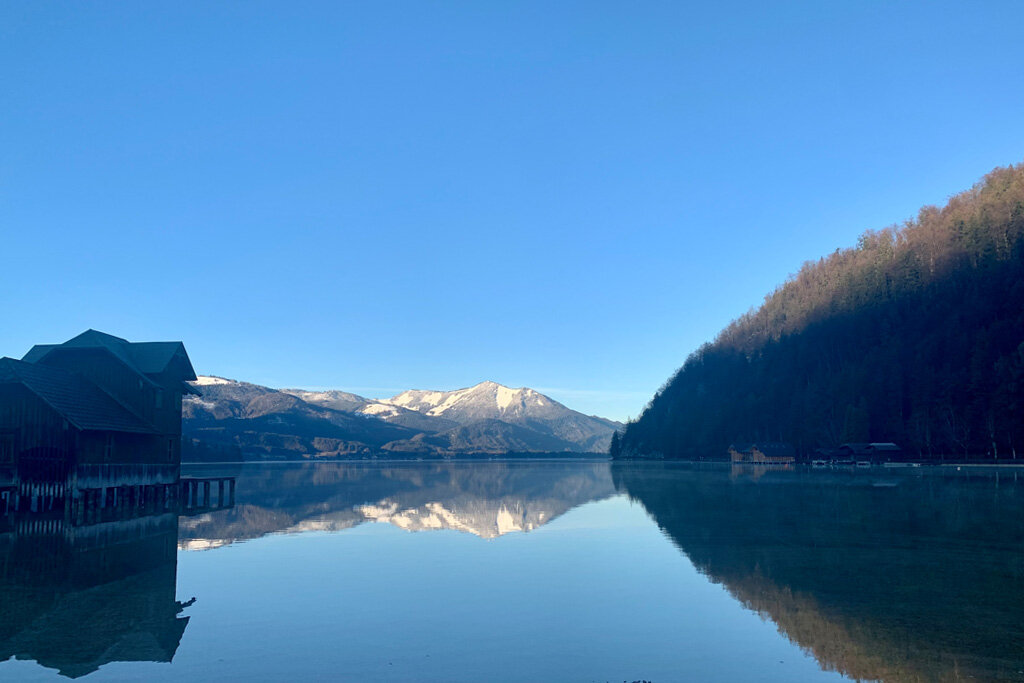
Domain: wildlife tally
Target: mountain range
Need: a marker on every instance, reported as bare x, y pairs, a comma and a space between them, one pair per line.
233, 418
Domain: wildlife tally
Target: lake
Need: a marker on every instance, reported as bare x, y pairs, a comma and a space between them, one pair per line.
534, 571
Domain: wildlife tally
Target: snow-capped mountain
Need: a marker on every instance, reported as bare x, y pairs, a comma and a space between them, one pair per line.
261, 422
485, 401
490, 414
341, 400
486, 418
338, 400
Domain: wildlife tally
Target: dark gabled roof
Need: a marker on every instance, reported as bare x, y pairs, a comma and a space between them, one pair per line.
154, 357
93, 337
145, 358
37, 352
77, 400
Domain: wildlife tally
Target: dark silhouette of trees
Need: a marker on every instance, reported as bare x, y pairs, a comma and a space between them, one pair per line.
916, 336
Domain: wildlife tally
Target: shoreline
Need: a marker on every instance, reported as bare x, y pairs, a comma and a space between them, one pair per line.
593, 458
895, 465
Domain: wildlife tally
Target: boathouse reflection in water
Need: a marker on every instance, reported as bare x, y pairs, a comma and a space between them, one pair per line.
88, 561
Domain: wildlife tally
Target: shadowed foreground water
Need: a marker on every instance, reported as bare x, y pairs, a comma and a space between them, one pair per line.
547, 571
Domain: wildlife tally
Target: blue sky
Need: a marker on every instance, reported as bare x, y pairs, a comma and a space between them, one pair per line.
386, 195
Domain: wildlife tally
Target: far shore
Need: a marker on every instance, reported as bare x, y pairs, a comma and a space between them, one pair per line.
594, 457
897, 464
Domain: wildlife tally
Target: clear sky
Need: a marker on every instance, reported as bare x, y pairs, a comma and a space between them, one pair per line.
378, 196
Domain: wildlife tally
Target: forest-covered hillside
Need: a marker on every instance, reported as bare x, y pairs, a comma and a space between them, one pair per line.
915, 336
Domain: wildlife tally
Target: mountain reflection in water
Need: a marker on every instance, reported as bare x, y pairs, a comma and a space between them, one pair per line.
487, 499
909, 576
883, 575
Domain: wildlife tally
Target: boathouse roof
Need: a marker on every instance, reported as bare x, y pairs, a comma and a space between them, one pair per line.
76, 399
146, 358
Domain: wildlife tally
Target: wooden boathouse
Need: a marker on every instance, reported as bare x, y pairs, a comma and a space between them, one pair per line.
762, 454
95, 423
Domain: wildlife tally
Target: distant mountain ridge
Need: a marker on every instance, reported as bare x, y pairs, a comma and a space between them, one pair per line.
261, 422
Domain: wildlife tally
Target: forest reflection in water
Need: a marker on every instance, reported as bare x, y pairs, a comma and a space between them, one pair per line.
896, 576
913, 575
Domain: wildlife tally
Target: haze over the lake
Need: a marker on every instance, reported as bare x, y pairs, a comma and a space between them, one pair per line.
378, 197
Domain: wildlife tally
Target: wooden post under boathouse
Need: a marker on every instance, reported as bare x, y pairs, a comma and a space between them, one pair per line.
196, 493
92, 427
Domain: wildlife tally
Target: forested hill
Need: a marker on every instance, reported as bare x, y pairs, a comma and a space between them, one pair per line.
915, 336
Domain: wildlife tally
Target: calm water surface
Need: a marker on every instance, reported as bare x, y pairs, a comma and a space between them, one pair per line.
548, 571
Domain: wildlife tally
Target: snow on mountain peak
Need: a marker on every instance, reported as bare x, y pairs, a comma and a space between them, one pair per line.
460, 420
210, 380
486, 400
380, 410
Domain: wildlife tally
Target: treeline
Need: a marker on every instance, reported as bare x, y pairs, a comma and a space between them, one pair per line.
915, 336
194, 450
